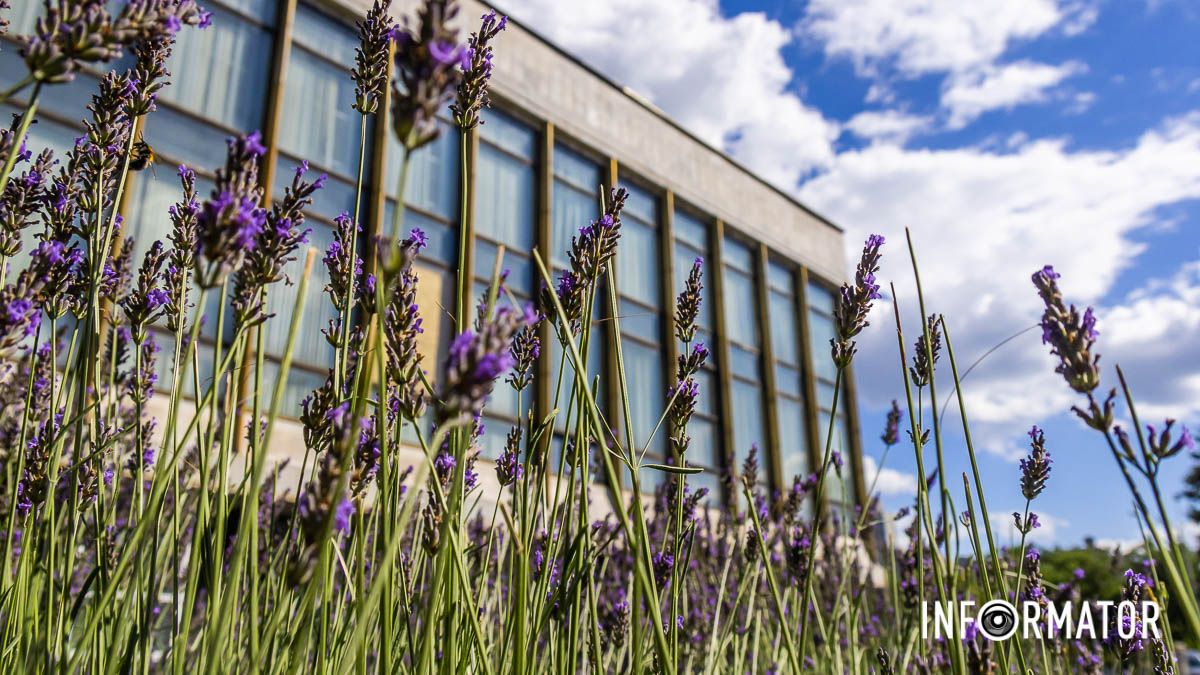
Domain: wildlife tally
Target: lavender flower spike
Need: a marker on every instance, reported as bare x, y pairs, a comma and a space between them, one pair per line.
850, 315
370, 72
687, 306
891, 431
476, 65
1070, 335
231, 219
1035, 468
474, 363
426, 76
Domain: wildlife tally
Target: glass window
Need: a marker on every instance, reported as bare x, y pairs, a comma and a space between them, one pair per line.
576, 199
433, 174
504, 198
747, 396
638, 269
505, 195
820, 323
221, 72
691, 242
319, 125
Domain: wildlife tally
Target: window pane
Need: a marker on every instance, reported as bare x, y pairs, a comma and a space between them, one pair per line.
504, 198
740, 316
326, 36
643, 372
738, 255
506, 132
443, 240
640, 321
573, 209
179, 138
433, 173
690, 229
638, 270
319, 124
788, 380
743, 363
263, 10
707, 382
785, 343
748, 428
640, 205
576, 170
820, 298
221, 72
821, 329
705, 443
794, 442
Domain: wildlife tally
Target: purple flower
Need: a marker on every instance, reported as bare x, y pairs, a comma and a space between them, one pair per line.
342, 514
475, 62
850, 314
1071, 336
1035, 468
444, 52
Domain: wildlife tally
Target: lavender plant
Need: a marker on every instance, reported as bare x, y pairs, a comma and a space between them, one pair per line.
134, 543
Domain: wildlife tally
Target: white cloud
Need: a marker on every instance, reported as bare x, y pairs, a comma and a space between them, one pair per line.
888, 482
982, 222
969, 94
887, 126
1154, 334
724, 78
925, 36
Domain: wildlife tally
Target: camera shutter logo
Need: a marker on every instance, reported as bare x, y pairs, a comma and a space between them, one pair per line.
997, 620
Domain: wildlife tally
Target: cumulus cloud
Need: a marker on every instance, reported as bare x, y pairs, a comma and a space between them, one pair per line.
888, 482
887, 126
968, 95
722, 77
982, 221
1154, 333
916, 37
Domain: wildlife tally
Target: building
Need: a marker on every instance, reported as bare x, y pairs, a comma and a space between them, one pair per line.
557, 131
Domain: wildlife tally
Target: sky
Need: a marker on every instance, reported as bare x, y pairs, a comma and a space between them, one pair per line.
1006, 135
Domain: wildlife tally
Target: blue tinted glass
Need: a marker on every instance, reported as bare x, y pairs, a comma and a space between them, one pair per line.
263, 10
820, 298
779, 277
821, 329
506, 132
640, 321
793, 440
638, 270
443, 240
504, 198
319, 124
785, 342
743, 363
741, 317
690, 229
573, 209
705, 443
520, 268
644, 374
179, 138
222, 71
640, 205
787, 380
310, 347
737, 255
748, 428
577, 170
326, 36
433, 173
710, 480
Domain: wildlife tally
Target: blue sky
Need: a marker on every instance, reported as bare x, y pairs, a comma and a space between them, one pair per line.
1007, 134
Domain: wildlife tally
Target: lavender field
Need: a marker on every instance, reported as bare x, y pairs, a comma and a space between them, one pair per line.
148, 529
